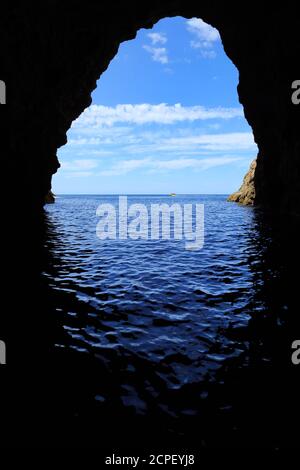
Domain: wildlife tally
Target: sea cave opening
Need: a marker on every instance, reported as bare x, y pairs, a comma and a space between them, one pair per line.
165, 118
148, 340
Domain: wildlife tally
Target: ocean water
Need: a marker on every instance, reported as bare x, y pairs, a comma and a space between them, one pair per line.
153, 299
156, 343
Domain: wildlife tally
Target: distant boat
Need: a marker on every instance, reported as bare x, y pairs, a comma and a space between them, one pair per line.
172, 194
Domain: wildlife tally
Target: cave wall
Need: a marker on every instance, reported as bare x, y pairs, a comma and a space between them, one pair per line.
53, 52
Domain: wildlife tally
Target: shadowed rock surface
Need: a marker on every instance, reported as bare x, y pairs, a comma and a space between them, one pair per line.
246, 193
50, 198
54, 52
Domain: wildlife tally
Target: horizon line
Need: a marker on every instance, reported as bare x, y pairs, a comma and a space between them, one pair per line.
140, 194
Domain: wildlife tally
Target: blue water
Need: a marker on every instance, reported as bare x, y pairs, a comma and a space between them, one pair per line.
153, 298
169, 327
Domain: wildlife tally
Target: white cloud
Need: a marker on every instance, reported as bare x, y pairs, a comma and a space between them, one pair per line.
98, 135
193, 163
126, 166
96, 153
157, 38
98, 115
79, 174
84, 141
215, 126
158, 54
79, 165
205, 37
203, 144
204, 31
205, 53
154, 165
229, 141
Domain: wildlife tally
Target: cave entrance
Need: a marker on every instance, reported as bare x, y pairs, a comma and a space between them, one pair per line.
165, 125
165, 118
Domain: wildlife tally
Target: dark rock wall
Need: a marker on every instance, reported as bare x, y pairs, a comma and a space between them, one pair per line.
53, 52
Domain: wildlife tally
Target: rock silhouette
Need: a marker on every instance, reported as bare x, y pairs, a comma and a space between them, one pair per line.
58, 50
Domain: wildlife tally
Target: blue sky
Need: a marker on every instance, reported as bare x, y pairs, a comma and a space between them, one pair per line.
165, 118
